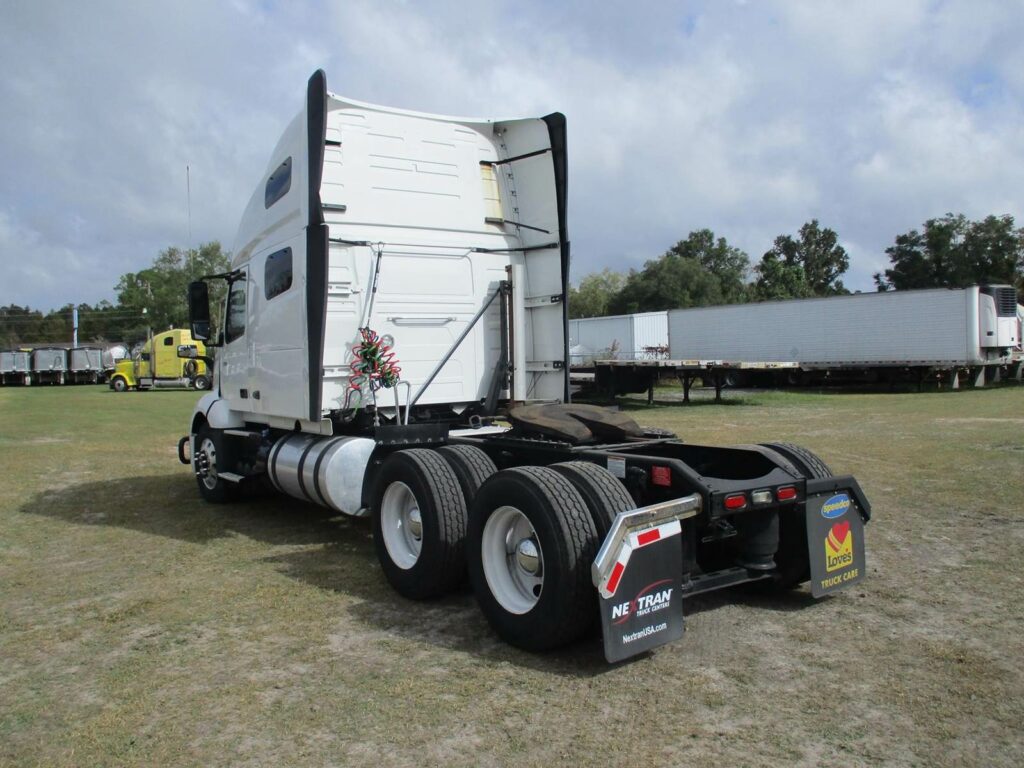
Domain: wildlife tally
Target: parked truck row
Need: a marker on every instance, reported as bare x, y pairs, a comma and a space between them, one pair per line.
394, 347
152, 364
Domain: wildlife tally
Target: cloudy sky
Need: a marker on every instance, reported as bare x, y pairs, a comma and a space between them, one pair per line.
746, 117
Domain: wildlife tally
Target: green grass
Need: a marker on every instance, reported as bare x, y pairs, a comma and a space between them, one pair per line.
140, 626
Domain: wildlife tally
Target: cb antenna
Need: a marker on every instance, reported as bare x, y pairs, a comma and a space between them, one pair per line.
188, 202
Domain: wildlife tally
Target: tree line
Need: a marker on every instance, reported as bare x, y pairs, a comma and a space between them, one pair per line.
704, 270
150, 300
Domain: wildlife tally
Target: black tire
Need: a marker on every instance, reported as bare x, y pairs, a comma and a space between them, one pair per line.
118, 384
564, 606
603, 494
807, 463
439, 564
212, 488
792, 561
201, 383
471, 466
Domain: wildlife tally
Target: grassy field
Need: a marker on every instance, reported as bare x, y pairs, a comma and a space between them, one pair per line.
139, 626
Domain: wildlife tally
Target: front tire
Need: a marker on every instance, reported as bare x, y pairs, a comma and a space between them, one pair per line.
208, 460
419, 524
531, 542
118, 384
201, 383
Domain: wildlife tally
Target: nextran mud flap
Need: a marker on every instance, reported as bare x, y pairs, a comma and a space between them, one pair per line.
835, 540
638, 573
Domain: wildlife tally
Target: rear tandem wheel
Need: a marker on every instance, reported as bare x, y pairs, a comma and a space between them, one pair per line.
791, 560
530, 543
419, 524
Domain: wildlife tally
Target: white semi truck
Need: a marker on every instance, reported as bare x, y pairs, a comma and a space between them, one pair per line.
867, 335
394, 347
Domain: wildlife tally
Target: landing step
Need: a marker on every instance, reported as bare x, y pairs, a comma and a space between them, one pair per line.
231, 477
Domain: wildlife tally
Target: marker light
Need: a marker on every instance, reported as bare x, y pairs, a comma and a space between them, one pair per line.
736, 501
761, 497
786, 493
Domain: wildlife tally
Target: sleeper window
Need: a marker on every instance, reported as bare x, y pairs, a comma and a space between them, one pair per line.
278, 184
277, 274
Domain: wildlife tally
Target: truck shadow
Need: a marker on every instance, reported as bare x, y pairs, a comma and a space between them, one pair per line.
333, 552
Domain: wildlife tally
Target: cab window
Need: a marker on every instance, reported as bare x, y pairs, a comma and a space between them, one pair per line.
235, 323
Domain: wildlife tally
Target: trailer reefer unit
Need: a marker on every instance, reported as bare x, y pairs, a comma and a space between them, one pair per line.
875, 333
49, 365
640, 336
399, 284
85, 365
16, 367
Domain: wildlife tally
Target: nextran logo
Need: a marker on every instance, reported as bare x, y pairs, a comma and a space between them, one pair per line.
647, 601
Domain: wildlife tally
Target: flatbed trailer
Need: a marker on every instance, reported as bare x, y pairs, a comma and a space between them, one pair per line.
620, 377
394, 347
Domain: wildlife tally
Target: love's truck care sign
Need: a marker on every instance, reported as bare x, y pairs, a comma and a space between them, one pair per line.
835, 541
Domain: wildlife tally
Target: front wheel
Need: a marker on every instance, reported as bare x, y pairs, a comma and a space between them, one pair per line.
419, 524
530, 543
208, 458
201, 383
118, 384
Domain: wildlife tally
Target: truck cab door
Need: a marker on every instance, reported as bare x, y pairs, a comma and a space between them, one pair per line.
234, 357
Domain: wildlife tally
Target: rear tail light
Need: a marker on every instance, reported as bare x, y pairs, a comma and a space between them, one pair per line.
786, 493
736, 501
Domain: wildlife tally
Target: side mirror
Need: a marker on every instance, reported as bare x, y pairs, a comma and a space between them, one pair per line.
188, 351
199, 310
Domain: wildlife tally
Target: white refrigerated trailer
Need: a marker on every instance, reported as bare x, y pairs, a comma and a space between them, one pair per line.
394, 347
639, 336
867, 335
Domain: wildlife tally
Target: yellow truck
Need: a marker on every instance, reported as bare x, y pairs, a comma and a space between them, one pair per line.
157, 364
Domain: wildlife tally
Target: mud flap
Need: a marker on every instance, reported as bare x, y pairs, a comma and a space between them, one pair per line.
835, 540
638, 574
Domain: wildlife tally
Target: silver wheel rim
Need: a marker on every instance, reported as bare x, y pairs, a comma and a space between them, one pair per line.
401, 525
513, 560
210, 478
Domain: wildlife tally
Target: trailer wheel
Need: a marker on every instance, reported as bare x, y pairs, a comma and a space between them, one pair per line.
531, 541
791, 559
419, 524
209, 445
603, 494
471, 466
118, 384
201, 383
